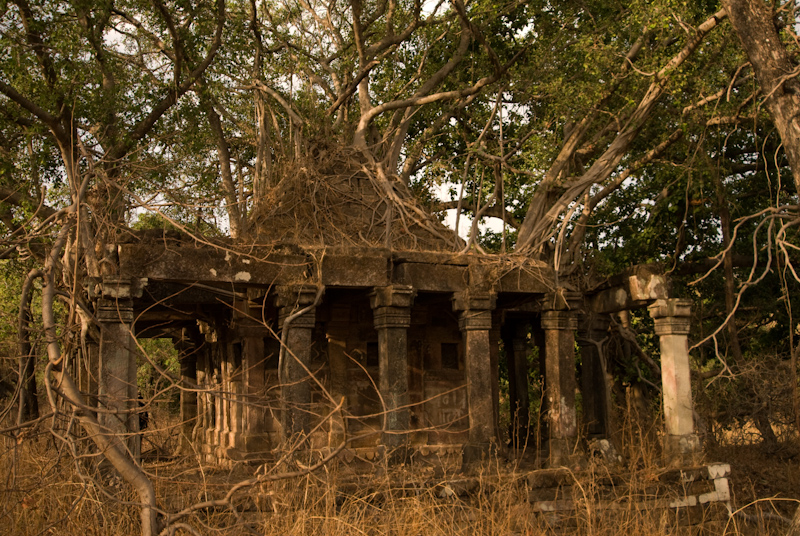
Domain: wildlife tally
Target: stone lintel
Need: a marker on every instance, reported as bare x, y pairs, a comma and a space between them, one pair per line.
431, 277
355, 270
209, 264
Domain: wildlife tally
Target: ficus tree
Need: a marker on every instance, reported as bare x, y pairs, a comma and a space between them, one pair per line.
599, 134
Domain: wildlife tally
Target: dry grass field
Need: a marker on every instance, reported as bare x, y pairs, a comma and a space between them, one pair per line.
49, 487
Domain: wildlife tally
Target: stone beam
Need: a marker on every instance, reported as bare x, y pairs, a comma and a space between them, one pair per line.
208, 264
631, 292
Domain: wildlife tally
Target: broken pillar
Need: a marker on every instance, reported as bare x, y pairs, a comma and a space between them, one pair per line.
296, 317
475, 321
117, 389
391, 306
672, 324
559, 322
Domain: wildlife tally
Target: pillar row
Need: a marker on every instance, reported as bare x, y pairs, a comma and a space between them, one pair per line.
672, 325
475, 322
392, 312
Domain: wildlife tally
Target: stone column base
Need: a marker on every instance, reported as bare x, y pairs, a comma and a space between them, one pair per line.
681, 449
475, 453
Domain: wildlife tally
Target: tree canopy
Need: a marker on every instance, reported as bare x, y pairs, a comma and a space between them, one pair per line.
594, 135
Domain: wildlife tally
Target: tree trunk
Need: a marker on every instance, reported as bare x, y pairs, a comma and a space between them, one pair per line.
754, 24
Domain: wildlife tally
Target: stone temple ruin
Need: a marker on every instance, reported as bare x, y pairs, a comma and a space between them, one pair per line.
349, 320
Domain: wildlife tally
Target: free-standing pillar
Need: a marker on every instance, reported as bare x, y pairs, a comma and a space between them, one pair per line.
187, 356
255, 438
338, 361
392, 310
559, 322
117, 389
672, 323
595, 383
296, 334
515, 342
475, 322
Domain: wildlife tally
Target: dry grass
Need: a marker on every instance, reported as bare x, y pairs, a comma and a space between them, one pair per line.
45, 490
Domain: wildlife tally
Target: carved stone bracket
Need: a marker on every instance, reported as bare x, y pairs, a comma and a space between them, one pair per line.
475, 308
291, 299
392, 306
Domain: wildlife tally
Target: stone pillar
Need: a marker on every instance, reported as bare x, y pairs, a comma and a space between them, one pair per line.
559, 322
199, 435
494, 365
117, 389
595, 385
254, 414
295, 388
90, 371
187, 356
338, 361
234, 399
392, 309
475, 322
515, 342
672, 323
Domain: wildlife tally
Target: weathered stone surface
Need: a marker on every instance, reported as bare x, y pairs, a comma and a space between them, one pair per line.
354, 270
210, 265
672, 318
559, 321
475, 321
431, 277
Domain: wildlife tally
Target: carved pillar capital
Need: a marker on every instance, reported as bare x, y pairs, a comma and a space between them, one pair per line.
475, 308
671, 316
115, 311
560, 320
392, 296
290, 299
474, 300
392, 306
562, 300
